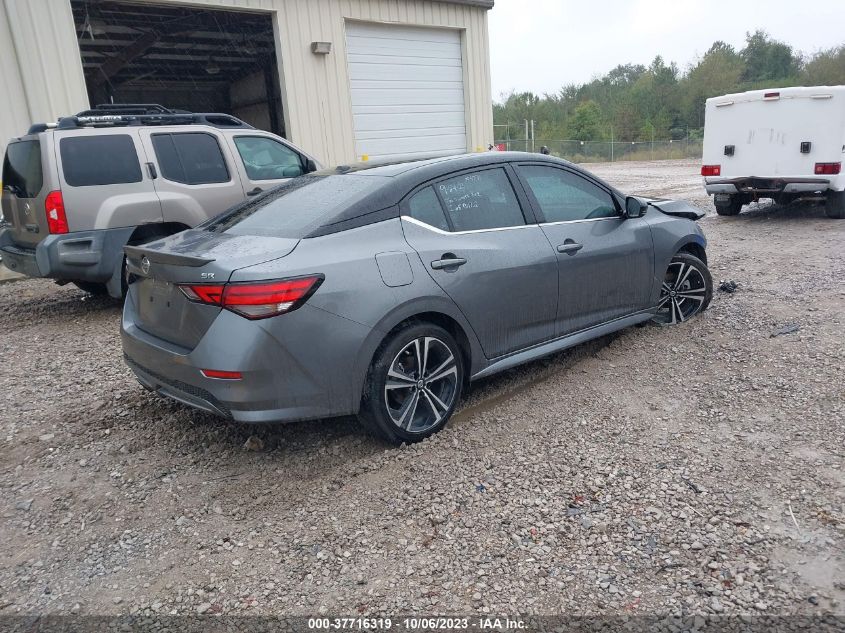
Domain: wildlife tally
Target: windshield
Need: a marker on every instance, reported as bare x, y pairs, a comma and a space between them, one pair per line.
297, 207
22, 174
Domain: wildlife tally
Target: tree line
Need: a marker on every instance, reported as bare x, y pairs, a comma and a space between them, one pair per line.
637, 103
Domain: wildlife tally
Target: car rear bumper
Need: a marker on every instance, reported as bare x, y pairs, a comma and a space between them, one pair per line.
80, 256
766, 186
299, 366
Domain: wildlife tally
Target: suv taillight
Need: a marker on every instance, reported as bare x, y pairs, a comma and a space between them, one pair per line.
711, 170
54, 206
256, 300
828, 169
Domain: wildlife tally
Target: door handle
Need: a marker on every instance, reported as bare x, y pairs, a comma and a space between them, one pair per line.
570, 247
152, 171
254, 192
448, 262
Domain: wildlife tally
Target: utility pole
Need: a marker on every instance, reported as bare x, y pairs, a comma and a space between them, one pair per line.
532, 135
526, 135
611, 142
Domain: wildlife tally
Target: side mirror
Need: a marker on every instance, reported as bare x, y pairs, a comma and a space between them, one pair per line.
634, 207
310, 165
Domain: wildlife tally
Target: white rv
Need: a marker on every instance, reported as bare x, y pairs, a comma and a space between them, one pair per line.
781, 143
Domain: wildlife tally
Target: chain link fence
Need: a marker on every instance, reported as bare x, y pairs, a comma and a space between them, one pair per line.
607, 151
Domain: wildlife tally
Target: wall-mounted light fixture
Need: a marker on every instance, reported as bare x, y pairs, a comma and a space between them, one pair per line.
321, 48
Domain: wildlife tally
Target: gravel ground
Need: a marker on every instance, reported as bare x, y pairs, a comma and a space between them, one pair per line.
692, 469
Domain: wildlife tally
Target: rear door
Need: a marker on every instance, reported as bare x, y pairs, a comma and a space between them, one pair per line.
477, 243
24, 191
606, 262
263, 161
102, 179
196, 178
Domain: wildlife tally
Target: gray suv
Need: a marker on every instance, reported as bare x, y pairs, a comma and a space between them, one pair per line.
76, 192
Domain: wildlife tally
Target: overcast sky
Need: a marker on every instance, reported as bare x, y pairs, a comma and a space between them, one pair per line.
541, 45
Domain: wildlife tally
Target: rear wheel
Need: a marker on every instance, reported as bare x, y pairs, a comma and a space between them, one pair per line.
687, 290
92, 287
413, 385
731, 206
835, 205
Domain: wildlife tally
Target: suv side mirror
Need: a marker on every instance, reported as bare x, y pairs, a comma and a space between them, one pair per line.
634, 207
310, 165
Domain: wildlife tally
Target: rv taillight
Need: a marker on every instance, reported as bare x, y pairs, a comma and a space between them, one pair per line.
828, 169
771, 95
54, 206
711, 170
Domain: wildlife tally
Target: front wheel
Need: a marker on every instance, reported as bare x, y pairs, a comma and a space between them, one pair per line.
413, 385
687, 290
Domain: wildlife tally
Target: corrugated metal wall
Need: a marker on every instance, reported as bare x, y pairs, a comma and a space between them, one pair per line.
40, 65
318, 110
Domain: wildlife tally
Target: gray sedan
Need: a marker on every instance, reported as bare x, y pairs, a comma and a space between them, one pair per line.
382, 291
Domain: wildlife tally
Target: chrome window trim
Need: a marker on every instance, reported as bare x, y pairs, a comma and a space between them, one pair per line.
442, 232
618, 217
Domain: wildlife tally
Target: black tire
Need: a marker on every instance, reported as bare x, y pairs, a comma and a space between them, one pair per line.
92, 287
835, 205
394, 380
732, 207
687, 290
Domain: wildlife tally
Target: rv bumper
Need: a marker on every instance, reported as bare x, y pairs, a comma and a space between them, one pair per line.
765, 186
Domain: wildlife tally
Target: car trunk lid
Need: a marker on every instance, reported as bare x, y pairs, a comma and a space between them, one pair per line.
24, 192
192, 257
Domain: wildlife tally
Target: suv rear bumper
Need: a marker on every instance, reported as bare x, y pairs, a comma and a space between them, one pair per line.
81, 256
765, 186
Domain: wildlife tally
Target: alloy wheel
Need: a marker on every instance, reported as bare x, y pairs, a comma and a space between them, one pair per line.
682, 294
421, 385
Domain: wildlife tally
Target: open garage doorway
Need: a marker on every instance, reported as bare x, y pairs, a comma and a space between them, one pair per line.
194, 59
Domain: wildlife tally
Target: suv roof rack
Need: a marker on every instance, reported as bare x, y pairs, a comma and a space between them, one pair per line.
129, 108
96, 118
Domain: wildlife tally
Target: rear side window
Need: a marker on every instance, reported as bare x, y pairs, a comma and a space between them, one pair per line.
192, 158
425, 207
99, 160
481, 200
22, 173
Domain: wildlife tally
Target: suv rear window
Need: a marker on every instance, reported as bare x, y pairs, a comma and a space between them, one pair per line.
22, 173
297, 207
108, 159
191, 158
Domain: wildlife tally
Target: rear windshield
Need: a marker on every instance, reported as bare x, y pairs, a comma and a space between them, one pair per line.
297, 207
100, 160
22, 173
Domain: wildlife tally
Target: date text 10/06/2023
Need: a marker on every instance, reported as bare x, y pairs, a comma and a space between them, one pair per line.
417, 623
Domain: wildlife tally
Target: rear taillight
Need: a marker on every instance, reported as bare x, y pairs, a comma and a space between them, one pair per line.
54, 206
256, 300
221, 375
828, 169
711, 170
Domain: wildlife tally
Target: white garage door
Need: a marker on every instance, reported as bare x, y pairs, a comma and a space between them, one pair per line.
407, 90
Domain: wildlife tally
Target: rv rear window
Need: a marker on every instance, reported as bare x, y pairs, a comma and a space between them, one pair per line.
22, 173
108, 159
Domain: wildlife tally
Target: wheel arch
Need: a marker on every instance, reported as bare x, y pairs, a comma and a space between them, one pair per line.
695, 249
438, 311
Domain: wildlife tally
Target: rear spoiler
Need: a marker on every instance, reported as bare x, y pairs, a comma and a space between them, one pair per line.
137, 253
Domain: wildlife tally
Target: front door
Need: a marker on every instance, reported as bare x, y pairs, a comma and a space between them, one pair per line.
606, 261
263, 161
498, 267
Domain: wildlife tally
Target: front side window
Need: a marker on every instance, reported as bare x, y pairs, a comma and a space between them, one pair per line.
106, 159
267, 159
563, 196
425, 207
22, 173
191, 158
480, 200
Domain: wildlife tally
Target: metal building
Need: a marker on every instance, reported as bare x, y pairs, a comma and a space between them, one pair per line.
342, 79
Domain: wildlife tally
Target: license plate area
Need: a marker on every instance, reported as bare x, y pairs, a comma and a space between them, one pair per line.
722, 197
